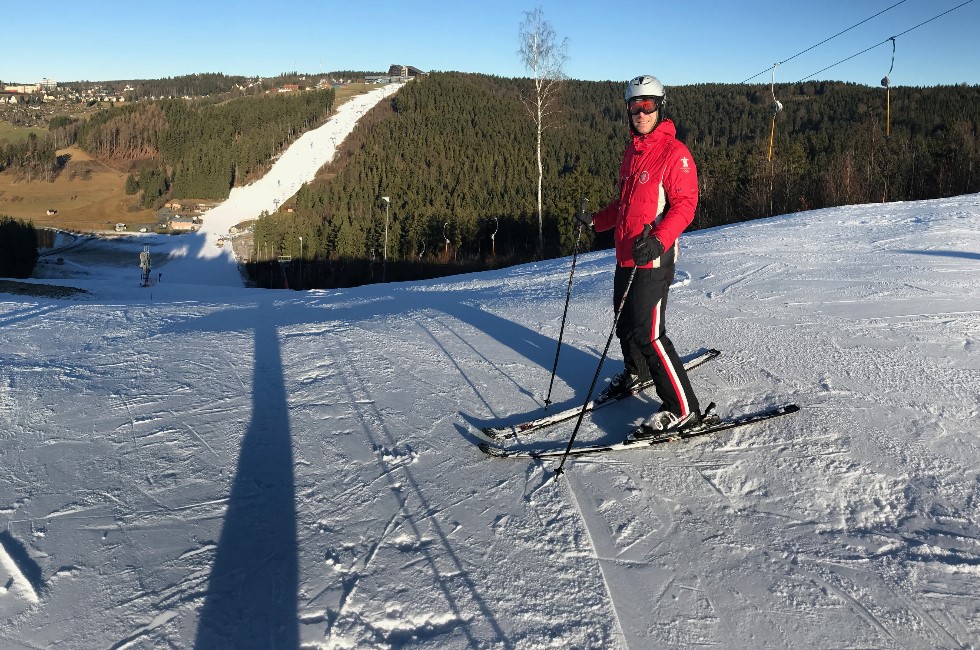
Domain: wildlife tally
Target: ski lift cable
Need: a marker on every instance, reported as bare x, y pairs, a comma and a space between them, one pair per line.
828, 39
891, 38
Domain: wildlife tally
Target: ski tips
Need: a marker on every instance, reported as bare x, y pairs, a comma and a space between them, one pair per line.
491, 450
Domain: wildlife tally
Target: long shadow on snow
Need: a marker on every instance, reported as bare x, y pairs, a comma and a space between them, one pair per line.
251, 599
963, 254
192, 262
576, 367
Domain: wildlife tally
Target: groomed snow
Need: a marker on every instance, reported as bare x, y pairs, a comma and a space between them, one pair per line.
192, 465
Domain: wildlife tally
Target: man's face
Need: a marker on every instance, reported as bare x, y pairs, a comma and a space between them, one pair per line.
644, 112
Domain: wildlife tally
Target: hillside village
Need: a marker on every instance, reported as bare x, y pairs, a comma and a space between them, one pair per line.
99, 204
33, 104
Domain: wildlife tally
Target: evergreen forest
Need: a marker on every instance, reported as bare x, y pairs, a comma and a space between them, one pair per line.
195, 149
176, 147
454, 154
18, 248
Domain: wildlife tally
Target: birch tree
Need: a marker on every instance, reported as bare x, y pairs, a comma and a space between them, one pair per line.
544, 57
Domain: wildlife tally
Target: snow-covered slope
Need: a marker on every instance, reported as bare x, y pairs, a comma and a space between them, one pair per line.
194, 466
200, 261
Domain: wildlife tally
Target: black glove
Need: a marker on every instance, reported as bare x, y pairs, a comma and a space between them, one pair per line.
584, 218
646, 248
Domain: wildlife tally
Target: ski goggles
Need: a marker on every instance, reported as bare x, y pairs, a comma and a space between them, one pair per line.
645, 105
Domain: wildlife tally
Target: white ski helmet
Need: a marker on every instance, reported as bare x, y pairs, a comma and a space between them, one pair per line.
644, 86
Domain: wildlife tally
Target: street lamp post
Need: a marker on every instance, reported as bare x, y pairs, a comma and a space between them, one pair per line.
300, 263
384, 266
493, 237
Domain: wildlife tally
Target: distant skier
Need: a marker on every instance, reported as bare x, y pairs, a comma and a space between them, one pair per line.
658, 192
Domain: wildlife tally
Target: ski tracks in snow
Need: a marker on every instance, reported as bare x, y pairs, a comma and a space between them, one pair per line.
651, 524
445, 581
414, 550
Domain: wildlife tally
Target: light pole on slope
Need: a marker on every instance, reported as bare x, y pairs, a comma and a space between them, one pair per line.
384, 267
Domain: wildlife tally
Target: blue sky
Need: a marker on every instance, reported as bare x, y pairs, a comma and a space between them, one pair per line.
683, 42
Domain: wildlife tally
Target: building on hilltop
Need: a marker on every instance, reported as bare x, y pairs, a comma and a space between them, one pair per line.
396, 73
406, 71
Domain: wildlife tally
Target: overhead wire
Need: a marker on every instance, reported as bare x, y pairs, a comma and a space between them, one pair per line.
890, 38
827, 39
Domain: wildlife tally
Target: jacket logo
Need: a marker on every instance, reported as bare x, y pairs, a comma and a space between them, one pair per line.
684, 164
644, 177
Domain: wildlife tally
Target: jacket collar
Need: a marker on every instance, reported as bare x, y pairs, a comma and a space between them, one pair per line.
665, 129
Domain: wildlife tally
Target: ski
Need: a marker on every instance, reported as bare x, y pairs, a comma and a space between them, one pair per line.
631, 443
511, 431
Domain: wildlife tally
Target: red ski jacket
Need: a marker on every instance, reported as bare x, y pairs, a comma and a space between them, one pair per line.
658, 185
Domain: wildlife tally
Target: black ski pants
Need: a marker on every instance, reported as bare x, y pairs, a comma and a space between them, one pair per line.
642, 332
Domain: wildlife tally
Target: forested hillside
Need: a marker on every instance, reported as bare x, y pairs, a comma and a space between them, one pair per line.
177, 147
830, 145
200, 150
214, 85
454, 153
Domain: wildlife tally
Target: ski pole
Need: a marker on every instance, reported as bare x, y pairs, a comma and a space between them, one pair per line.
568, 295
619, 310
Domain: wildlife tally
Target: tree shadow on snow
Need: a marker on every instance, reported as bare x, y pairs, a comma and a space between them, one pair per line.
188, 259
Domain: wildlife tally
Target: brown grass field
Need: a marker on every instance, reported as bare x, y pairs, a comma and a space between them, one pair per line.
88, 195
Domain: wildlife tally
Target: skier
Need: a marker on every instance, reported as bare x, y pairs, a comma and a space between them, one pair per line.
658, 192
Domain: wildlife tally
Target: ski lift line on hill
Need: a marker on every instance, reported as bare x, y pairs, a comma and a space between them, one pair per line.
890, 38
828, 39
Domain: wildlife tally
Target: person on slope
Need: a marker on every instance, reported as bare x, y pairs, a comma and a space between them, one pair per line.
658, 192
